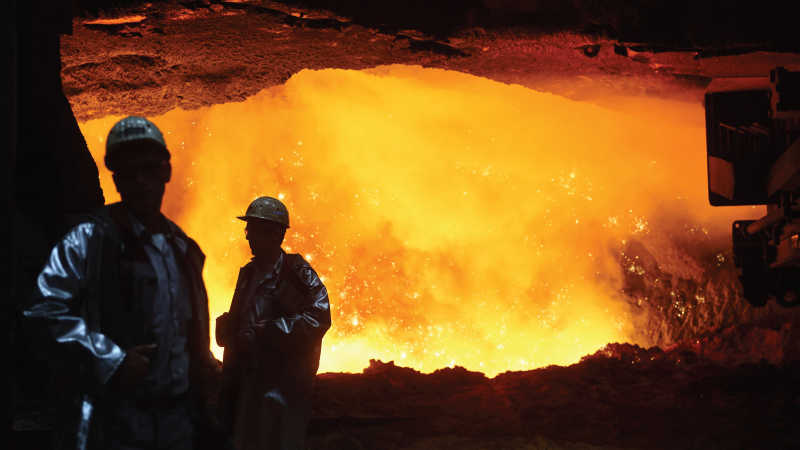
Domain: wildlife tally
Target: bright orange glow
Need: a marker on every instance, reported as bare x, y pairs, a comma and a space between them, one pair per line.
455, 220
117, 21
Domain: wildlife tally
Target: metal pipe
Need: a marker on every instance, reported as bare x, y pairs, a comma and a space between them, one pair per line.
771, 218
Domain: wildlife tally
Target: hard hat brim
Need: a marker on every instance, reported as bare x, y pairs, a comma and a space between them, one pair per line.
246, 218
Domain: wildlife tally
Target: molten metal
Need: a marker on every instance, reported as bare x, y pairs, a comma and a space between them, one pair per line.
455, 220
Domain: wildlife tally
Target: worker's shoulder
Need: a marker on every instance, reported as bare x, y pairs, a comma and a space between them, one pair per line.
178, 231
83, 232
98, 223
81, 238
306, 274
298, 262
94, 224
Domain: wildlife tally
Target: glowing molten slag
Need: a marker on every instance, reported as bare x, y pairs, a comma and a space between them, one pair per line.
455, 220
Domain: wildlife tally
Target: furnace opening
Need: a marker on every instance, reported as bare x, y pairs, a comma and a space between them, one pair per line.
454, 219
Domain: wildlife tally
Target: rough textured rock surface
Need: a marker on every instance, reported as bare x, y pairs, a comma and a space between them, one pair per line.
682, 283
190, 55
729, 388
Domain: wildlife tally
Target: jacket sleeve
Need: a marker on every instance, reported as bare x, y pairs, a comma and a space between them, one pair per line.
309, 324
225, 331
56, 317
219, 333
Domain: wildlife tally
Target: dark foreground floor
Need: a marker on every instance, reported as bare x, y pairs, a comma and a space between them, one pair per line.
734, 388
737, 388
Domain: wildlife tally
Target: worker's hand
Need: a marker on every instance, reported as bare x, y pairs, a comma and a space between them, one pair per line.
221, 332
222, 325
258, 328
134, 367
210, 379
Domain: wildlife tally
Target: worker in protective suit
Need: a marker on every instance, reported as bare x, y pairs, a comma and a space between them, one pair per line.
272, 337
121, 309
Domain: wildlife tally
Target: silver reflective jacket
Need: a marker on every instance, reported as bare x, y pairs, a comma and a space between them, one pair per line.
63, 324
82, 316
274, 382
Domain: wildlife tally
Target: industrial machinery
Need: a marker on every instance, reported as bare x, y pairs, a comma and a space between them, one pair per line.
752, 131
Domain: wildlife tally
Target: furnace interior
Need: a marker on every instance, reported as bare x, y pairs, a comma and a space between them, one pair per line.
458, 220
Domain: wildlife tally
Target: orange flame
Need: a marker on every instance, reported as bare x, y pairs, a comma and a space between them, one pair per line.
455, 220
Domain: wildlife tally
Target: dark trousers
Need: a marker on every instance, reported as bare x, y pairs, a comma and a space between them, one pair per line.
134, 427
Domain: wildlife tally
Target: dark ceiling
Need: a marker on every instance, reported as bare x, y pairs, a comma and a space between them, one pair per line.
195, 54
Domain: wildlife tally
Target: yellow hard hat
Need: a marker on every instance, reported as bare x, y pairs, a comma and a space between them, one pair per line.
267, 208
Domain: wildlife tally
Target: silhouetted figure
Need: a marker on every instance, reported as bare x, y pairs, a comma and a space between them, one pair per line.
272, 338
121, 309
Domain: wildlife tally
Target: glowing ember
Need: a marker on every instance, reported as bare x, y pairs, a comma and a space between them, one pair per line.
455, 220
117, 21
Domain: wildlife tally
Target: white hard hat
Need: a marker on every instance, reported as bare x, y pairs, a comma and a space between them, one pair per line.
131, 130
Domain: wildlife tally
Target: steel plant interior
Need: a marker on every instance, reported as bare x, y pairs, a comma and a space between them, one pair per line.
724, 375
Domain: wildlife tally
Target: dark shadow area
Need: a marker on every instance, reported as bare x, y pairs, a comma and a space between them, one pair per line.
689, 396
50, 177
682, 24
715, 25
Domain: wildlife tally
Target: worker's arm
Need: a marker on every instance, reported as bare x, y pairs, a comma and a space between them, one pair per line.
221, 331
224, 331
309, 323
55, 317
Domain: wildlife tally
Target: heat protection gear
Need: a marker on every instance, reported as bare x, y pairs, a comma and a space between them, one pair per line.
133, 134
265, 397
267, 208
87, 309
